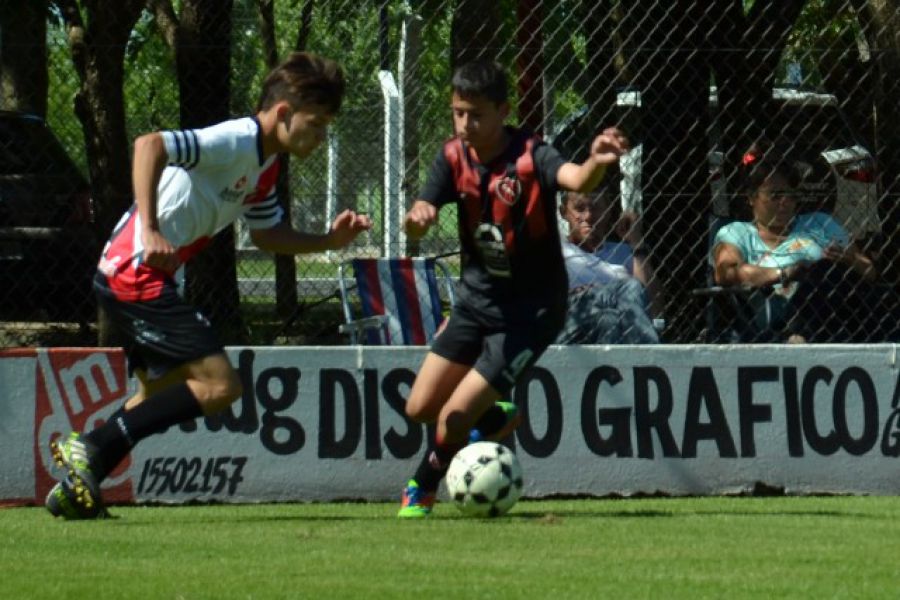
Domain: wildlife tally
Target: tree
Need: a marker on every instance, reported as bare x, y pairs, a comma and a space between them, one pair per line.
475, 32
881, 26
23, 56
598, 79
201, 39
674, 75
286, 300
688, 42
97, 34
530, 64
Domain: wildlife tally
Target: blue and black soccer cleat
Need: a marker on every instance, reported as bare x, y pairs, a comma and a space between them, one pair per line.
512, 420
417, 503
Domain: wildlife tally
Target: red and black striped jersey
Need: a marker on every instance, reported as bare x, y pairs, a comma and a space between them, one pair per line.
506, 216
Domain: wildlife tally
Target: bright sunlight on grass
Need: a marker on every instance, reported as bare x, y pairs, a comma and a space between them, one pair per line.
785, 547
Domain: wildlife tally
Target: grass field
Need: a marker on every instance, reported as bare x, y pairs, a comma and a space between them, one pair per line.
736, 547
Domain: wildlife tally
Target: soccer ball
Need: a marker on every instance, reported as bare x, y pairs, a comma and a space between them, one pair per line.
484, 479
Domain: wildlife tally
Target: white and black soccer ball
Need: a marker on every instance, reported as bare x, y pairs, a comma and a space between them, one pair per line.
484, 479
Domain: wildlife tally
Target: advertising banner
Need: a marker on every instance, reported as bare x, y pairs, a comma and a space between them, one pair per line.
327, 423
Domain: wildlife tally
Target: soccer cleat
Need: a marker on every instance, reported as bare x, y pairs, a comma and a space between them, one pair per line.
76, 455
513, 418
417, 503
62, 501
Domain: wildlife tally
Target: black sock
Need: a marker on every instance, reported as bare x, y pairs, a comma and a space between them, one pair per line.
115, 438
119, 412
491, 421
434, 465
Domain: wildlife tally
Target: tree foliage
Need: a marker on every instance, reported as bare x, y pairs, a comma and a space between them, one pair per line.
116, 69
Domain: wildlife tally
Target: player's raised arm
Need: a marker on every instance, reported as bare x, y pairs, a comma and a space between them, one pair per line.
419, 219
606, 149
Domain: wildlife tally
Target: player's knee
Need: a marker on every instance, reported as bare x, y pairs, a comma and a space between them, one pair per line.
221, 393
231, 388
422, 411
414, 411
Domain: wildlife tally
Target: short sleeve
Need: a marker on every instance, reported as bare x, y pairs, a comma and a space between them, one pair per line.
265, 214
547, 162
439, 188
217, 144
832, 232
734, 234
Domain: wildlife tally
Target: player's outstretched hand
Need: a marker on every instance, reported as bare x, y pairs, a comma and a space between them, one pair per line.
609, 146
419, 219
158, 252
347, 226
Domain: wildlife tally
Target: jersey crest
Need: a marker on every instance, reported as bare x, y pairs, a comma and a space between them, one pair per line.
509, 201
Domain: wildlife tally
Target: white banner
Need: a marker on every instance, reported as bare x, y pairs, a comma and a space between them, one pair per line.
327, 423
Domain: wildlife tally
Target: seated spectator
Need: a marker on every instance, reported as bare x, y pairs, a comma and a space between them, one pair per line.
815, 284
598, 226
607, 299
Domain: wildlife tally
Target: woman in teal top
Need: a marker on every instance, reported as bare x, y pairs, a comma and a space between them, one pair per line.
803, 259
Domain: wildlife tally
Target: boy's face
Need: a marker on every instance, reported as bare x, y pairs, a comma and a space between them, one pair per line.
303, 129
478, 121
586, 215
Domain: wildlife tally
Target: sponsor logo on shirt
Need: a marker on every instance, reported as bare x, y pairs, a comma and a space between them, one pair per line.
235, 193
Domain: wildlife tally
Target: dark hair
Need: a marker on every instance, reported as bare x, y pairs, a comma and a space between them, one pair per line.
481, 78
761, 161
304, 78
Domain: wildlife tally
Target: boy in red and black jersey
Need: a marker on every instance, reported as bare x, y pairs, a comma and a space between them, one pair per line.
512, 296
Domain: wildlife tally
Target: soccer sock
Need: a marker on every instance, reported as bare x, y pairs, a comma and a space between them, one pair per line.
119, 412
434, 465
491, 421
115, 438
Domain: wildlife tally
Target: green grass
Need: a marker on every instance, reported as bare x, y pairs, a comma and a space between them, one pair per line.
787, 547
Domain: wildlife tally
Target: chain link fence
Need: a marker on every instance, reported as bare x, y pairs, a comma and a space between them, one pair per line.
693, 85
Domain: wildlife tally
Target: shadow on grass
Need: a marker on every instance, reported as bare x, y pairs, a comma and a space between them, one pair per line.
645, 514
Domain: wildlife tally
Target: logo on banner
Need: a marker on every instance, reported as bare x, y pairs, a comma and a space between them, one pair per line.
76, 390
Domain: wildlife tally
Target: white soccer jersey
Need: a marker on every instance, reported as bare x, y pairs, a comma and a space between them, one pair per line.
215, 176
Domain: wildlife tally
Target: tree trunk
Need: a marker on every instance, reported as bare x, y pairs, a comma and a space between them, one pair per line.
23, 56
881, 25
600, 77
675, 168
97, 45
203, 59
745, 78
474, 32
286, 299
530, 65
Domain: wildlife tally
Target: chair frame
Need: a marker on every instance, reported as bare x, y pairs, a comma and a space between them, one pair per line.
358, 328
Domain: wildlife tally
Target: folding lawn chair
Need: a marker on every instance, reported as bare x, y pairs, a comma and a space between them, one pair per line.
394, 301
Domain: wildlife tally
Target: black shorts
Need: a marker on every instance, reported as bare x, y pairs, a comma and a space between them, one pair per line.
160, 334
502, 346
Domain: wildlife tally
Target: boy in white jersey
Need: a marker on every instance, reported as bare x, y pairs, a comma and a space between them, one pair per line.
189, 185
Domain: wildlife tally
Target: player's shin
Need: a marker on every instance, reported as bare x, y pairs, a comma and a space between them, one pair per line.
115, 439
